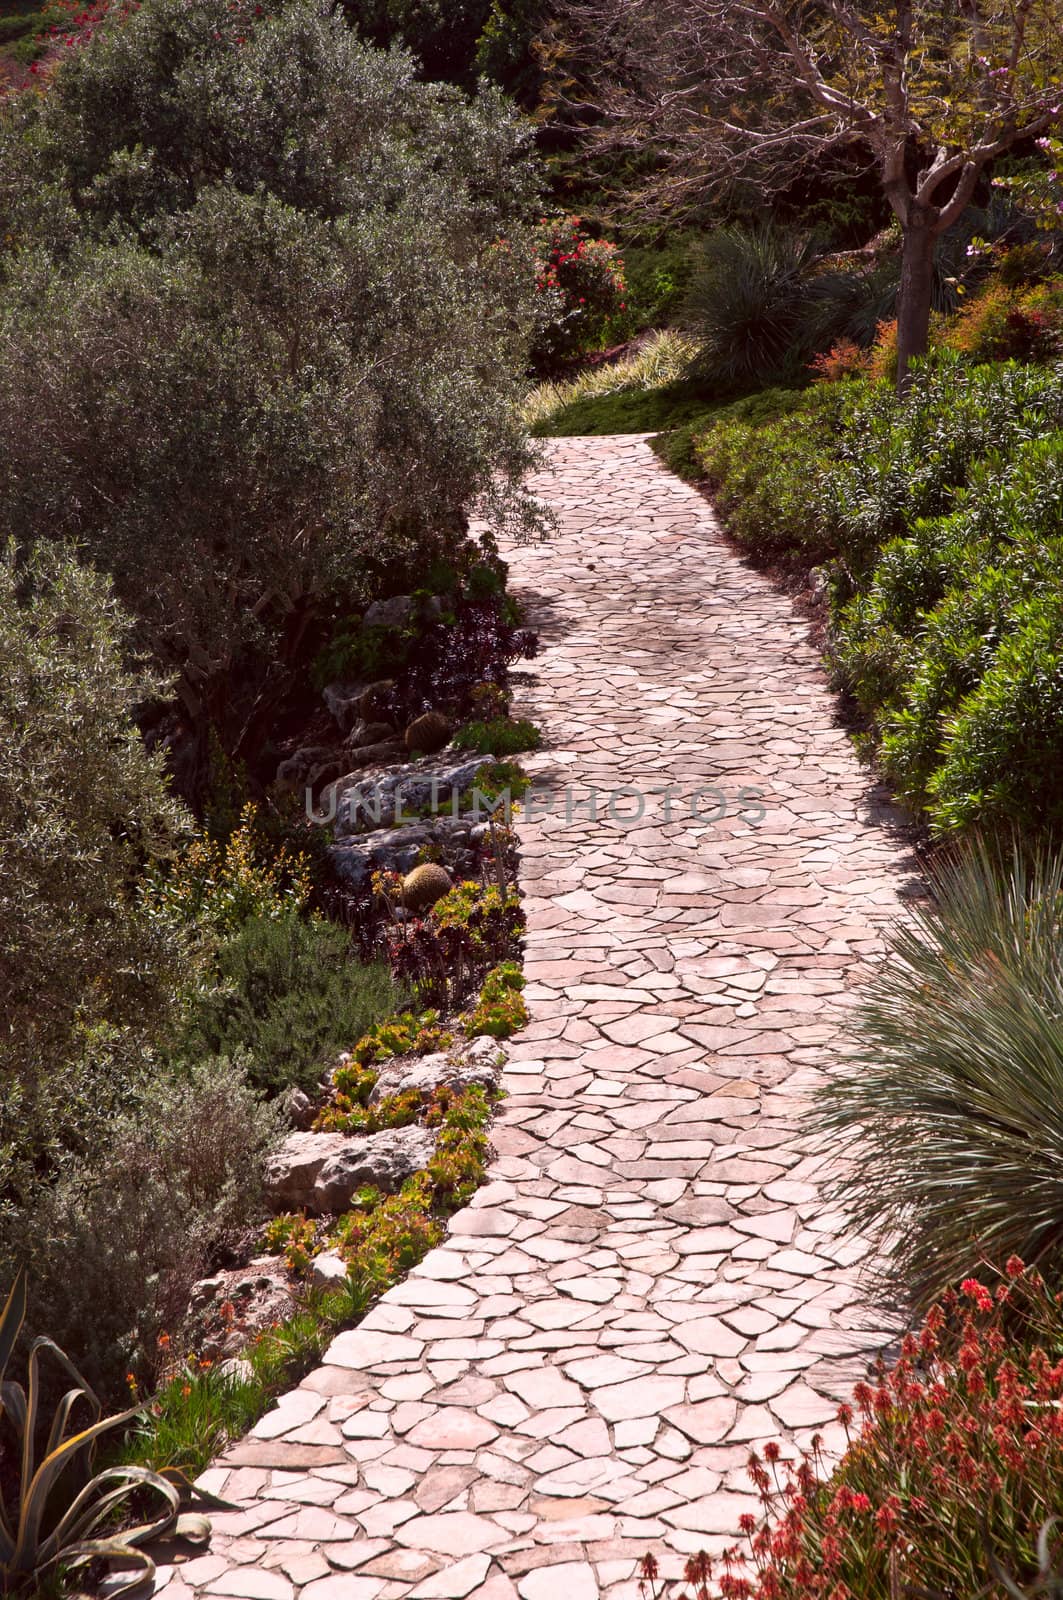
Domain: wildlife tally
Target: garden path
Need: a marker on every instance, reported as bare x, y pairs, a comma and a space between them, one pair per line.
648, 1284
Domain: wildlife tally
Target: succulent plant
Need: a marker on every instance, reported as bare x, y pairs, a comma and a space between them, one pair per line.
428, 733
40, 1528
426, 884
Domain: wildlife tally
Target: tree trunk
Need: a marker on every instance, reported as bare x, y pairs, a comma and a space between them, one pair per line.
913, 301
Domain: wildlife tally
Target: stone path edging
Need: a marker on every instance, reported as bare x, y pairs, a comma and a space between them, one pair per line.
648, 1284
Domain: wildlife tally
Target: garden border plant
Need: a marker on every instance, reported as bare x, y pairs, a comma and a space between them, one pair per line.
475, 928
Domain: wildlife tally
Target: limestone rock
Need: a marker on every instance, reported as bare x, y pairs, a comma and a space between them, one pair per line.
294, 771
327, 1270
364, 735
388, 613
292, 1170
459, 1070
385, 1160
342, 701
299, 1108
383, 798
398, 610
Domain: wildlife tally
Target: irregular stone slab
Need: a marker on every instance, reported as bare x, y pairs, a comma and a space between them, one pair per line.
385, 1160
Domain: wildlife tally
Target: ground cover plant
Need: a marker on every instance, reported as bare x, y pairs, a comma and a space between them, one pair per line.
649, 382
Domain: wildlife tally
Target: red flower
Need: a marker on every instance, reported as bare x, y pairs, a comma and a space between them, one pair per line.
978, 1293
888, 1515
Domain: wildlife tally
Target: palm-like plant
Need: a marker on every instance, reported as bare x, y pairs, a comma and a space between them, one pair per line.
60, 1513
953, 1102
753, 303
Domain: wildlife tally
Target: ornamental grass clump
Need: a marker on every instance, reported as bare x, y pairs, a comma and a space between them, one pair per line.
951, 1482
954, 1095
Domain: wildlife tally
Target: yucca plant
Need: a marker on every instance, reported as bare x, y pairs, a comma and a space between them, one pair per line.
61, 1515
953, 1102
754, 304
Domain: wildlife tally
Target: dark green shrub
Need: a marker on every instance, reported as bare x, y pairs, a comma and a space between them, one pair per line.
765, 477
289, 995
656, 278
678, 447
443, 35
1002, 754
952, 644
288, 225
955, 1091
757, 306
898, 461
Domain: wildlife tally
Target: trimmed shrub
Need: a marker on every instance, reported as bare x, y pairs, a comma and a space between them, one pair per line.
951, 642
901, 460
764, 475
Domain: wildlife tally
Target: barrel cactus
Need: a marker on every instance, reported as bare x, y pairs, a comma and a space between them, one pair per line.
428, 733
422, 887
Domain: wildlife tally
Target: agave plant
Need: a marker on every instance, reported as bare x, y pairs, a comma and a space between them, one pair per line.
954, 1099
60, 1513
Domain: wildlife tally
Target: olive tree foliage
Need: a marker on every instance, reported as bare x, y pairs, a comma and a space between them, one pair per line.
84, 807
120, 1168
260, 318
757, 91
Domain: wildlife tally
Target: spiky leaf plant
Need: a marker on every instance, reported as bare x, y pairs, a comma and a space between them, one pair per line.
60, 1514
953, 1102
754, 304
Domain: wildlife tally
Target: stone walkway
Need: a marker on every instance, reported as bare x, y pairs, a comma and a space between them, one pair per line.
648, 1284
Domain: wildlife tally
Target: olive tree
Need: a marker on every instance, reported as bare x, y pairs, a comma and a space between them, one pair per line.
714, 91
84, 808
280, 352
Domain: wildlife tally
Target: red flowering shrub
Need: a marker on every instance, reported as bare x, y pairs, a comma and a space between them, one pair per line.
77, 21
952, 1477
1006, 323
584, 279
844, 359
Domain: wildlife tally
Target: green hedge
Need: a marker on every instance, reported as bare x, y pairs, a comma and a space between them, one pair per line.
942, 518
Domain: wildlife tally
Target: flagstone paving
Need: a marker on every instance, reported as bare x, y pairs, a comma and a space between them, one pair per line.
649, 1283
